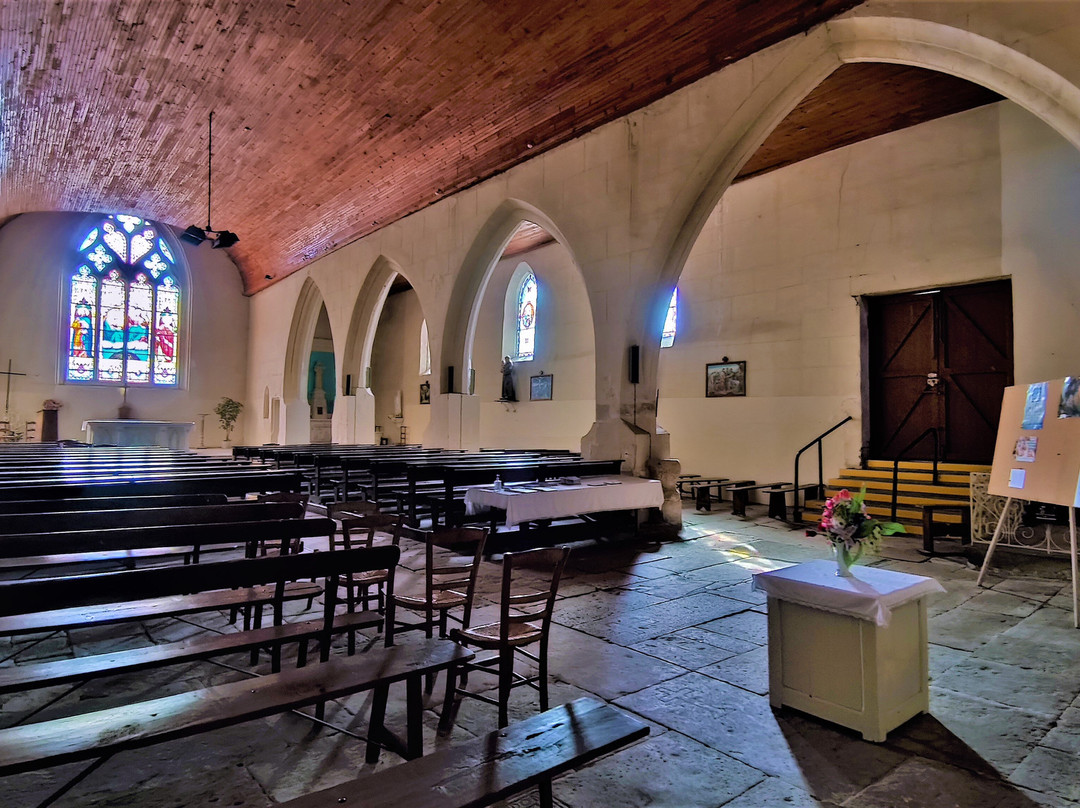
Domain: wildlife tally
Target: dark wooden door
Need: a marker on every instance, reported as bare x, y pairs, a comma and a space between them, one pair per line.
939, 360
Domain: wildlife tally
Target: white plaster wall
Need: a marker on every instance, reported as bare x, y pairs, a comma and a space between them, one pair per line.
772, 281
34, 264
395, 366
1041, 244
564, 350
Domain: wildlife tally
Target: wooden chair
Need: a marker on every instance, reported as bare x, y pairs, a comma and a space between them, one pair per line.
284, 496
359, 531
446, 587
524, 619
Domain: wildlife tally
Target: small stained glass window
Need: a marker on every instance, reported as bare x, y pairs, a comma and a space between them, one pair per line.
667, 338
526, 318
123, 322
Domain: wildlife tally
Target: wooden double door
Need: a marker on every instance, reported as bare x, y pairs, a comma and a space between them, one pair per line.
937, 360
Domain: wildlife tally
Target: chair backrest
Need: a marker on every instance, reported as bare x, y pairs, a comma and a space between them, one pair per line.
351, 507
523, 602
359, 531
454, 577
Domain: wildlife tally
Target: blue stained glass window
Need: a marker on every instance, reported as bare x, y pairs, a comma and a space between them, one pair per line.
123, 326
526, 318
667, 338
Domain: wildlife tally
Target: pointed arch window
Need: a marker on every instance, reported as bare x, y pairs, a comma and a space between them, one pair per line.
124, 316
526, 318
667, 338
425, 350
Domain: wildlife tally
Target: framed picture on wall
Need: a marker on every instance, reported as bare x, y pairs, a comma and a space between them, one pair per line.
540, 387
725, 378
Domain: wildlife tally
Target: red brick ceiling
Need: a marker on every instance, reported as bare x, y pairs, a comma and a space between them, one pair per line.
331, 118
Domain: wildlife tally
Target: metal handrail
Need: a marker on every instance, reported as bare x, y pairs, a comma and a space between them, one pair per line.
932, 431
796, 511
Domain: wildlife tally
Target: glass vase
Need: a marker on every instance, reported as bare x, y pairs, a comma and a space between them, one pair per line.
844, 559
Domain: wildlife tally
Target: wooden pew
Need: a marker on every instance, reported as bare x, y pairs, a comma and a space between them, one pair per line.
21, 550
49, 522
171, 592
110, 503
231, 484
493, 767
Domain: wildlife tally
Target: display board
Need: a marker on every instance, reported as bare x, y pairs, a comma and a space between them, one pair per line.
1041, 464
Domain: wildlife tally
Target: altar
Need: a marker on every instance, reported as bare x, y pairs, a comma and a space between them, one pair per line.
130, 432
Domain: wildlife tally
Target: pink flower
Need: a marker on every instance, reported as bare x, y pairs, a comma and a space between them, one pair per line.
843, 494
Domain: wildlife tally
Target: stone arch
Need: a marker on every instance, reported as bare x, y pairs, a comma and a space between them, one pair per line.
803, 66
471, 283
365, 319
294, 384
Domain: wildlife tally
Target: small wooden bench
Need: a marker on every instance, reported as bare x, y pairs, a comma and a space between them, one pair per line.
495, 766
54, 521
701, 490
740, 494
928, 513
778, 498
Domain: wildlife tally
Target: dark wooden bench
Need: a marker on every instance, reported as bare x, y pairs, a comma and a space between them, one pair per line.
778, 497
21, 550
110, 503
740, 494
232, 484
49, 522
99, 735
51, 604
493, 767
963, 509
701, 489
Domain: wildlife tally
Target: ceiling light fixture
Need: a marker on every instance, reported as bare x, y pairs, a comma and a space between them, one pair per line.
197, 235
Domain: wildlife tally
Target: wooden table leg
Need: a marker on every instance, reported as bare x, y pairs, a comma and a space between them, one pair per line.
414, 726
376, 728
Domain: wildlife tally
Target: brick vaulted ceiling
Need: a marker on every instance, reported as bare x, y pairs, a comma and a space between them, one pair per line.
333, 118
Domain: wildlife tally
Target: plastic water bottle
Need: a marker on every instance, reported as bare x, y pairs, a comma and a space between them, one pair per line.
497, 486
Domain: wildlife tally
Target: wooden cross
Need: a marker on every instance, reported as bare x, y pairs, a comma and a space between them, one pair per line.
9, 373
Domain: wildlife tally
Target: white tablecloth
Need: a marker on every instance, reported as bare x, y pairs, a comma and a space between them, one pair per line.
871, 594
525, 502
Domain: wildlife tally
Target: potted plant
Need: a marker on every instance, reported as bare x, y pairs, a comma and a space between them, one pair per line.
227, 412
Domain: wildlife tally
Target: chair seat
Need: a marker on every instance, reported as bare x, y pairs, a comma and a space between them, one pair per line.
442, 599
488, 636
369, 577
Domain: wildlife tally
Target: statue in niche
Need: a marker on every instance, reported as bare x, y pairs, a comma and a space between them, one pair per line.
508, 393
319, 406
425, 392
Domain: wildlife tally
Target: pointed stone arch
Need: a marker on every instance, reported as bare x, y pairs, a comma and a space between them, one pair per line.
471, 282
365, 319
294, 383
919, 43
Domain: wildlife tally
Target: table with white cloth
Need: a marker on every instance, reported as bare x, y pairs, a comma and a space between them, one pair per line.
532, 502
852, 650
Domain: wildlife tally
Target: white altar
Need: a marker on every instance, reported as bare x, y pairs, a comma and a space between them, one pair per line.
849, 650
130, 432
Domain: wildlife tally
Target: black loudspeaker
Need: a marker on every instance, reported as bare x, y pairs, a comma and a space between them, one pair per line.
348, 384
635, 358
449, 378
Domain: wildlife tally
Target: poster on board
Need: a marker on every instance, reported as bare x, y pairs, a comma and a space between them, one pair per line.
1070, 398
1035, 406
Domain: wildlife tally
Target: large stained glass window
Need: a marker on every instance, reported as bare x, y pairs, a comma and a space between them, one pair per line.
526, 318
667, 338
124, 317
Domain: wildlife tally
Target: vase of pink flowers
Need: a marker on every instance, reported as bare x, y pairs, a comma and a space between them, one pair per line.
850, 529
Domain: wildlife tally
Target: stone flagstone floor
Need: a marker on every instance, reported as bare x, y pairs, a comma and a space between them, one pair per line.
673, 633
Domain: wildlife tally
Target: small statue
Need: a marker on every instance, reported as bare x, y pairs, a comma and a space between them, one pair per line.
508, 393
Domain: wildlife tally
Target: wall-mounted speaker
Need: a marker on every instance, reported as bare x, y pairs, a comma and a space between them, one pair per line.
449, 378
367, 377
635, 363
348, 384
